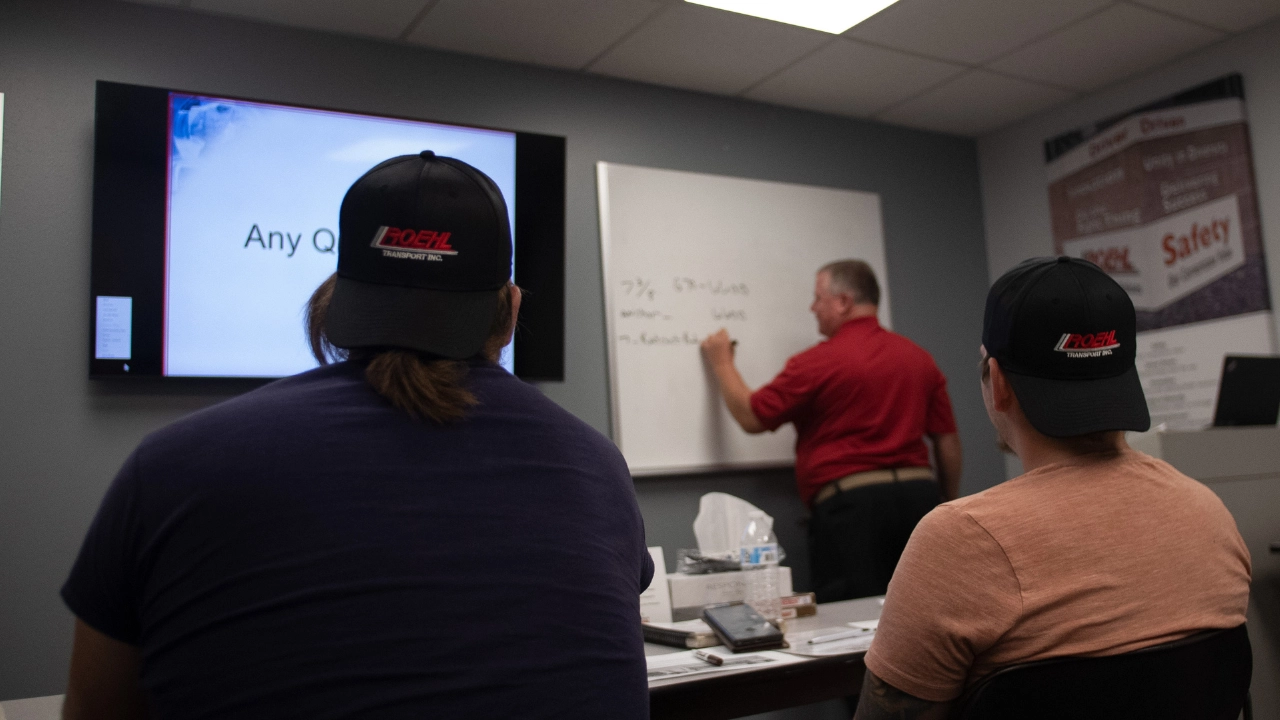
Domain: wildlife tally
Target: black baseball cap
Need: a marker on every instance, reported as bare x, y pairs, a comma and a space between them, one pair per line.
424, 245
1064, 333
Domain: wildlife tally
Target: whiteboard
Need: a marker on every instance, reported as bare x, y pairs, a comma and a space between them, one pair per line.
685, 254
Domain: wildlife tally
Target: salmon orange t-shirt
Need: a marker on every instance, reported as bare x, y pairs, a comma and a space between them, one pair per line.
1099, 556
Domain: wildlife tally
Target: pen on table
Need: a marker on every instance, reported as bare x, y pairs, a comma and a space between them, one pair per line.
838, 636
712, 658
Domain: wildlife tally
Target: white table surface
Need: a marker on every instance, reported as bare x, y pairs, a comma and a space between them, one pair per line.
829, 615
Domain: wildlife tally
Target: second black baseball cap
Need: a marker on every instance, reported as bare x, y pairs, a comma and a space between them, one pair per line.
1064, 333
424, 246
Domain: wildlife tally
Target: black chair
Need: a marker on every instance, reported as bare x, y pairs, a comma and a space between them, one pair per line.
1201, 677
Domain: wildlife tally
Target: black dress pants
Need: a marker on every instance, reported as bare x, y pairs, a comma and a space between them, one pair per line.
857, 536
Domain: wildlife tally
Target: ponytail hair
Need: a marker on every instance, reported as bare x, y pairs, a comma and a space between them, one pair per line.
425, 386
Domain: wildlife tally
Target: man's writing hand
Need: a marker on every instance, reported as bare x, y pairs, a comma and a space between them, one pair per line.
717, 349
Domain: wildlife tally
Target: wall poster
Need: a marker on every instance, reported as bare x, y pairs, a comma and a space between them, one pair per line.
1163, 199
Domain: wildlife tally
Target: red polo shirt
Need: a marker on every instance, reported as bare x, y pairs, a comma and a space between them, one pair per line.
862, 400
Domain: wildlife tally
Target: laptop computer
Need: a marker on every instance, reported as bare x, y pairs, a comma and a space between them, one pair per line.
1249, 391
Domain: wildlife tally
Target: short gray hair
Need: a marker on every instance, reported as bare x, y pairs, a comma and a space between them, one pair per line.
854, 277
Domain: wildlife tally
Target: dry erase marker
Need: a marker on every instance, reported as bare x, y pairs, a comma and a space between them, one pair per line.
712, 658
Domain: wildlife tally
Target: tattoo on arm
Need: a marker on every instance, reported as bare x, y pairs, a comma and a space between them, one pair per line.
881, 701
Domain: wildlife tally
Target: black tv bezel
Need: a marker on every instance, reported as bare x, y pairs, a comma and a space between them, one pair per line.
128, 235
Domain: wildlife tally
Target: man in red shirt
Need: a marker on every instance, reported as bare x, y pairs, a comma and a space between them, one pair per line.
862, 402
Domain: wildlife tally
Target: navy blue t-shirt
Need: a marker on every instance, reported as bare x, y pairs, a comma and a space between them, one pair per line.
306, 550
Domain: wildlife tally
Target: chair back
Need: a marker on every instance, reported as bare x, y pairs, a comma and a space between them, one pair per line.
1201, 677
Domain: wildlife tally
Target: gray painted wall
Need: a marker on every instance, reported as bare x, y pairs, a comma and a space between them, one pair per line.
62, 437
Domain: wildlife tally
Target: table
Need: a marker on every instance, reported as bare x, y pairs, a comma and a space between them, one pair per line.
747, 692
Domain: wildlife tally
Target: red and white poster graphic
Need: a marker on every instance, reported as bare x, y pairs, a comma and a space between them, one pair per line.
1163, 200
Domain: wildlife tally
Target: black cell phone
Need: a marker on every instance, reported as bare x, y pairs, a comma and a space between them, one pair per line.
741, 628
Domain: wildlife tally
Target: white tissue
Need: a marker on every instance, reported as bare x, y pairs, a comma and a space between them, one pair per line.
718, 527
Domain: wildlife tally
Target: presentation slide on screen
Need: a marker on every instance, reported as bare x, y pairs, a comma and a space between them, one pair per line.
254, 194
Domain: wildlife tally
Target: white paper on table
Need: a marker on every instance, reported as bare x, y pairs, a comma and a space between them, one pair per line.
800, 645
655, 601
718, 527
680, 665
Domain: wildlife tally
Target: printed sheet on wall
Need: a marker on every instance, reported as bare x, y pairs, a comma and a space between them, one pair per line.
1163, 199
686, 254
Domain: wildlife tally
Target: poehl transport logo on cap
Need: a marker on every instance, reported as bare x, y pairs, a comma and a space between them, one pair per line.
1087, 345
410, 244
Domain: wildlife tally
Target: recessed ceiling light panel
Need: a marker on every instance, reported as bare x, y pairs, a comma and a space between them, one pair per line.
833, 16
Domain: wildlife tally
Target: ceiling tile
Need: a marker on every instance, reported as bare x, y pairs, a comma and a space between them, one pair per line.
969, 31
700, 48
1106, 47
1232, 15
852, 78
561, 33
974, 103
170, 3
379, 18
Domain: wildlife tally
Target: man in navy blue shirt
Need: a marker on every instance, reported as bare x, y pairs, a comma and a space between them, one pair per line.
409, 532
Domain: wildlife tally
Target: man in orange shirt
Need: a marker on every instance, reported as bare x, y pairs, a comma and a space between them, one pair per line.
1095, 550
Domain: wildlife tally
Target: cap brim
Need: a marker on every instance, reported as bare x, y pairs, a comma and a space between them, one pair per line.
449, 324
1067, 408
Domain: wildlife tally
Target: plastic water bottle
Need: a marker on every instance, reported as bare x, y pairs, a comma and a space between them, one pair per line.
758, 554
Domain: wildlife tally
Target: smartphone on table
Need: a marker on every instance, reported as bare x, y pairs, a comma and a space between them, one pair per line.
741, 628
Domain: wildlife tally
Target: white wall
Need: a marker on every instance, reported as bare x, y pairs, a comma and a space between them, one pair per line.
1015, 196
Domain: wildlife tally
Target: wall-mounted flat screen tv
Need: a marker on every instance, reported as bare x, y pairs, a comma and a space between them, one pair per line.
214, 219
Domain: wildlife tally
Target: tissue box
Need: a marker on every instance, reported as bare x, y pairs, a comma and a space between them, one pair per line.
689, 593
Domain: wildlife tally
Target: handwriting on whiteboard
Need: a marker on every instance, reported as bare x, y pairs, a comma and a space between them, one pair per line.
638, 287
642, 314
655, 304
647, 289
648, 338
714, 287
